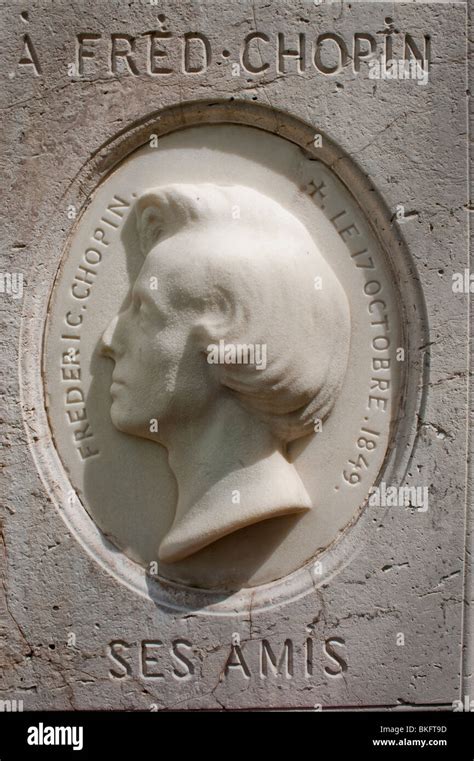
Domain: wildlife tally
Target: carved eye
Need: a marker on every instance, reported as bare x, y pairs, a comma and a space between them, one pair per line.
136, 302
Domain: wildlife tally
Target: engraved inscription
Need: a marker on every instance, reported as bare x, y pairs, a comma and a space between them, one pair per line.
382, 358
192, 53
182, 661
80, 290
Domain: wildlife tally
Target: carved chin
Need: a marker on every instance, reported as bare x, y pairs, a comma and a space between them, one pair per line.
126, 424
120, 421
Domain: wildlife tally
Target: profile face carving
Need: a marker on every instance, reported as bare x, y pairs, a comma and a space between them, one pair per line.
227, 267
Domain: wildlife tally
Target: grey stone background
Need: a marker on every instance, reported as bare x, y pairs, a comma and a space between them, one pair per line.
410, 143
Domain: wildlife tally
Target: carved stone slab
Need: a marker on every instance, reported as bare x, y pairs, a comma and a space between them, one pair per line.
236, 300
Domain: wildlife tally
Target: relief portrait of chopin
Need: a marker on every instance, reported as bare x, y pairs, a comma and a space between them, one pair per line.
226, 264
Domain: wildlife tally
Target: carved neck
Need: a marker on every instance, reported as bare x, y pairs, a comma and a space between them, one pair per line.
230, 474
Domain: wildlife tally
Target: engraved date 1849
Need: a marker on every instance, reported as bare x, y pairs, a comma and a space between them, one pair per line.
366, 443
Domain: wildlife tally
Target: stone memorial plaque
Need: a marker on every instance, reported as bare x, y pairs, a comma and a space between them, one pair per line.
236, 298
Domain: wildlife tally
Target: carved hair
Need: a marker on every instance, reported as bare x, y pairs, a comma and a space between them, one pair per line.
262, 291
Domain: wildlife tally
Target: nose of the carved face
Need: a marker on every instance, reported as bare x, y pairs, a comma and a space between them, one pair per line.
106, 346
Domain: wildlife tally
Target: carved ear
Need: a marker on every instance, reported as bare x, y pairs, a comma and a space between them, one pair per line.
149, 220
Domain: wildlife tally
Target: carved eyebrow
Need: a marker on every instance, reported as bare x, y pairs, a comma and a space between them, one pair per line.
143, 293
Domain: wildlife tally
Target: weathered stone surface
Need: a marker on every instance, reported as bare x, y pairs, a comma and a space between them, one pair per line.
377, 617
